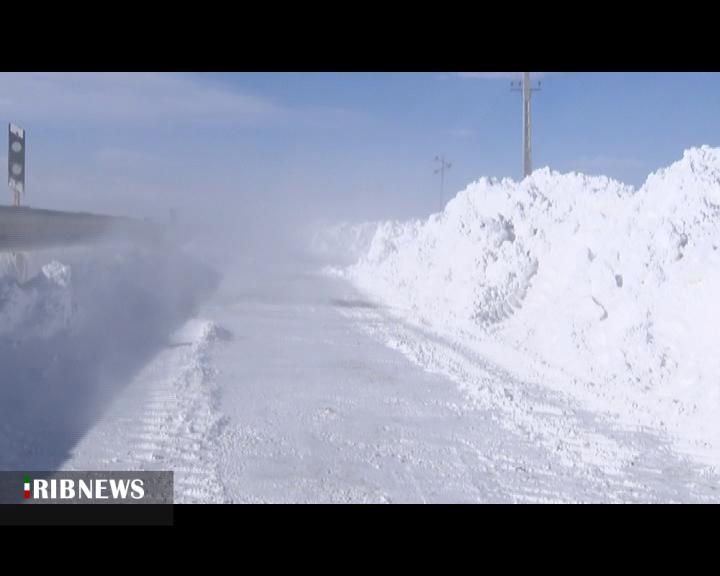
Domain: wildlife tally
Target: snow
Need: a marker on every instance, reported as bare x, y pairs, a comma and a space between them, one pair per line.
611, 290
40, 308
169, 417
76, 332
342, 241
544, 340
313, 394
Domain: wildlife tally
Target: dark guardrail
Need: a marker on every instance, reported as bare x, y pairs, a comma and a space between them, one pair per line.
32, 228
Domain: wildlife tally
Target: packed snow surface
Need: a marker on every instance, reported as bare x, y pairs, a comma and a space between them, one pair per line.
612, 292
289, 386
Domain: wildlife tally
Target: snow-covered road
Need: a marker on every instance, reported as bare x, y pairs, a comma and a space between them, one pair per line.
315, 394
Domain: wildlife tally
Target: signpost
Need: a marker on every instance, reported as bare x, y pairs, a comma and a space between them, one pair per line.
16, 182
16, 162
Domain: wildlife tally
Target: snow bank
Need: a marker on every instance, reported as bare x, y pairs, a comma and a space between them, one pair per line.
39, 308
201, 333
618, 288
342, 242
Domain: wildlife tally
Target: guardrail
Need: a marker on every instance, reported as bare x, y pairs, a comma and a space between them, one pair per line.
32, 229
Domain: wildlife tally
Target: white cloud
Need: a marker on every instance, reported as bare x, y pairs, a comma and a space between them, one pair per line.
127, 97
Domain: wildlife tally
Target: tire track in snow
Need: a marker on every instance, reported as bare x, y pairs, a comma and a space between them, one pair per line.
585, 452
181, 426
540, 415
168, 419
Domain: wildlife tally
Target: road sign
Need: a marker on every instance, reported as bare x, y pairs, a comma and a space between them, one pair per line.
16, 160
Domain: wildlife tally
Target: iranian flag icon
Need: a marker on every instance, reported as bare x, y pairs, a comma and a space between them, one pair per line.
26, 494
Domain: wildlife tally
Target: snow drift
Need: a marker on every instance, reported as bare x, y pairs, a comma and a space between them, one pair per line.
342, 242
617, 288
38, 309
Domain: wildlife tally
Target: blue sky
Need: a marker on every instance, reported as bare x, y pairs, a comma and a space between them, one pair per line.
350, 146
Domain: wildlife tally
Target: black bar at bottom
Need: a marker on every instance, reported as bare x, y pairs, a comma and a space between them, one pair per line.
86, 515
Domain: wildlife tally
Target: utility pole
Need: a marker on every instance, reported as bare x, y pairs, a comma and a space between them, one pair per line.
525, 86
444, 166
